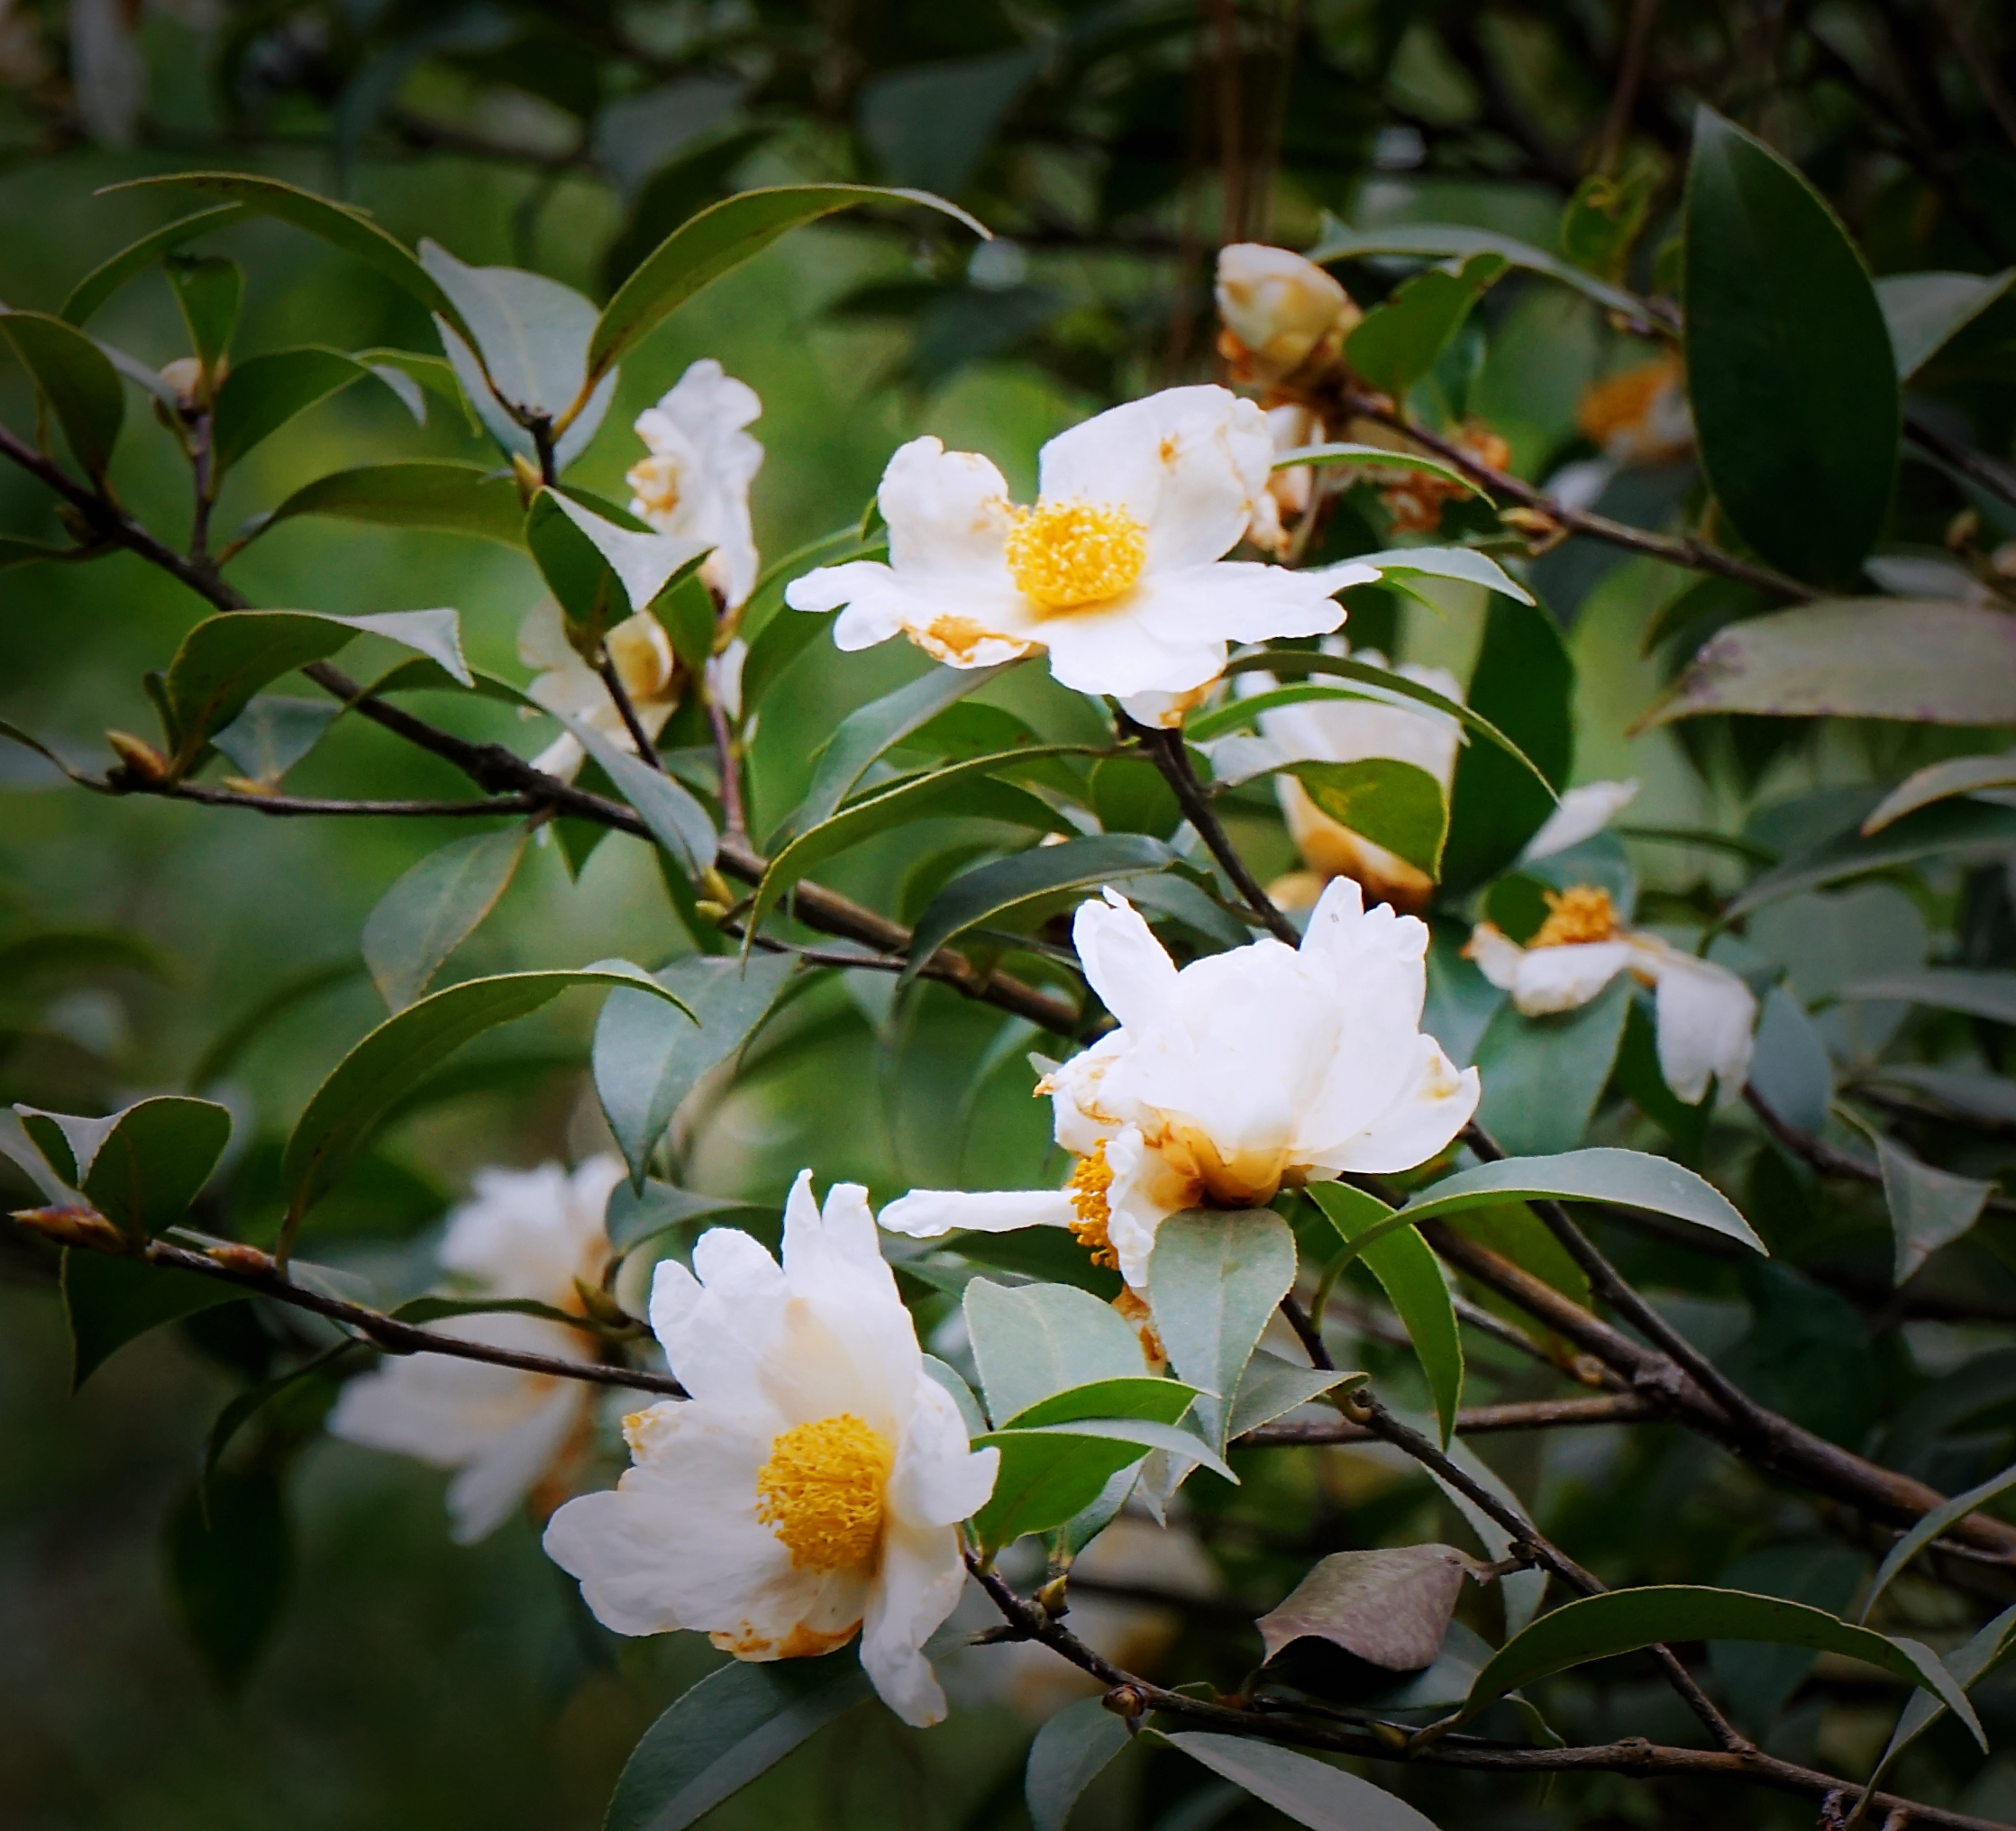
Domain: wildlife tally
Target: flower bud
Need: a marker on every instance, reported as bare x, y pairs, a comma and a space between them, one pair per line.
1283, 314
642, 654
72, 1225
142, 762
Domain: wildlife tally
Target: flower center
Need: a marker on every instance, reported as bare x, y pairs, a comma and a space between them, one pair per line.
654, 482
642, 656
1089, 1182
1584, 913
1063, 555
821, 1491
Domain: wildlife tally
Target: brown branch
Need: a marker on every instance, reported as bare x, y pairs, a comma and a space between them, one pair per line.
1975, 466
1831, 1160
1480, 1420
296, 807
619, 695
1675, 549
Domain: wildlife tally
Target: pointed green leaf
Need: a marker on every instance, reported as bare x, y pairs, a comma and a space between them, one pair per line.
1038, 1340
1309, 1791
1924, 311
1929, 1208
417, 493
1069, 1752
1396, 343
77, 381
1395, 804
1215, 1279
139, 256
264, 392
109, 1301
209, 289
435, 907
140, 1167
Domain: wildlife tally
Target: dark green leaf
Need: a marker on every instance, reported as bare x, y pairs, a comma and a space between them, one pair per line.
1940, 782
1543, 1076
1051, 1472
399, 1054
1129, 794
1139, 1395
719, 241
221, 1054
1924, 311
1309, 1791
247, 1405
1215, 1279
264, 392
435, 907
1622, 1179
416, 493
1935, 1523
1791, 1072
77, 381
228, 1574
1395, 804
1602, 220
208, 290
134, 259
140, 1167
1396, 343
109, 1301
677, 821
274, 731
1980, 1654
648, 1057
1271, 1386
1042, 1339
599, 570
1983, 993
1069, 1754
1789, 363
1950, 827
928, 124
1929, 1208
1030, 881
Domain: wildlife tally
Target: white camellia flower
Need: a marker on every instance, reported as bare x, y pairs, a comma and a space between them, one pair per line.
642, 653
1282, 313
1351, 731
1581, 814
1117, 570
1247, 1072
694, 484
813, 1485
527, 1233
1707, 1016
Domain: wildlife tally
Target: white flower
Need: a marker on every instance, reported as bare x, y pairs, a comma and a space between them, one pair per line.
1350, 731
528, 1234
1116, 571
1281, 310
695, 483
1707, 1016
642, 654
1582, 813
1263, 1067
813, 1483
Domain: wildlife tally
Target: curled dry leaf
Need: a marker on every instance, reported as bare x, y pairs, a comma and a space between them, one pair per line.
1390, 1607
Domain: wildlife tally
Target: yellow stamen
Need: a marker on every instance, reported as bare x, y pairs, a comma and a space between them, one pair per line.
1089, 1182
821, 1491
1063, 555
654, 482
1583, 912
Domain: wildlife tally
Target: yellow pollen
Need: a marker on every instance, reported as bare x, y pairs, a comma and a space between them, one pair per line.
821, 1491
1089, 1182
1063, 555
654, 482
1584, 913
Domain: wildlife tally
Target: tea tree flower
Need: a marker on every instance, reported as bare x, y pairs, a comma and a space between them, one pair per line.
527, 1233
1707, 1016
1639, 415
813, 1486
694, 481
1116, 571
1283, 315
642, 654
1244, 1073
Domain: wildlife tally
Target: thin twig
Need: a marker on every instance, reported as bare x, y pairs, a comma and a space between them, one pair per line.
1830, 1161
296, 807
1480, 1420
1975, 466
619, 695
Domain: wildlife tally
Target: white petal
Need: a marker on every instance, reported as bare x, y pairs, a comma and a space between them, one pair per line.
1497, 955
1707, 1022
947, 511
1124, 964
1435, 1103
928, 1214
1562, 978
1232, 600
715, 1326
973, 622
938, 1480
1144, 1191
492, 1483
1112, 651
1584, 812
917, 1587
532, 1233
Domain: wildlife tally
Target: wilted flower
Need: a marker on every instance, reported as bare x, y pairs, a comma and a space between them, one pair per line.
1640, 415
527, 1233
1706, 1014
1116, 570
1350, 731
1283, 315
642, 654
1289, 493
1415, 498
1246, 1072
813, 1483
695, 482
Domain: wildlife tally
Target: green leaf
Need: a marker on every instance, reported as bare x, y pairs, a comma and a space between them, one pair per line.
1935, 1523
1379, 456
736, 1723
1215, 1279
634, 1216
1392, 804
1980, 1654
866, 732
400, 1053
1941, 782
1138, 1395
1038, 1340
208, 290
1524, 682
77, 381
1447, 242
599, 571
930, 123
274, 731
416, 493
228, 1574
677, 821
264, 392
647, 1058
1601, 221
139, 256
1789, 365
1390, 1606
435, 907
1411, 1277
227, 658
1464, 565
717, 242
1129, 794
1929, 1208
1982, 993
1027, 883
1592, 1628
339, 224
222, 1052
109, 1301
1924, 311
1309, 1791
1543, 1076
1271, 1386
140, 1167
1953, 827
1986, 1099
917, 798
1069, 1754
1049, 1473
1396, 343
242, 1409
1791, 1072
1932, 661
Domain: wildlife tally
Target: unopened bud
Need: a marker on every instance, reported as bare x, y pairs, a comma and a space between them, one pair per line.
1126, 1701
2002, 563
185, 375
1541, 531
1283, 312
141, 760
1390, 1734
1963, 531
233, 1255
1051, 1599
641, 652
600, 1306
73, 1225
